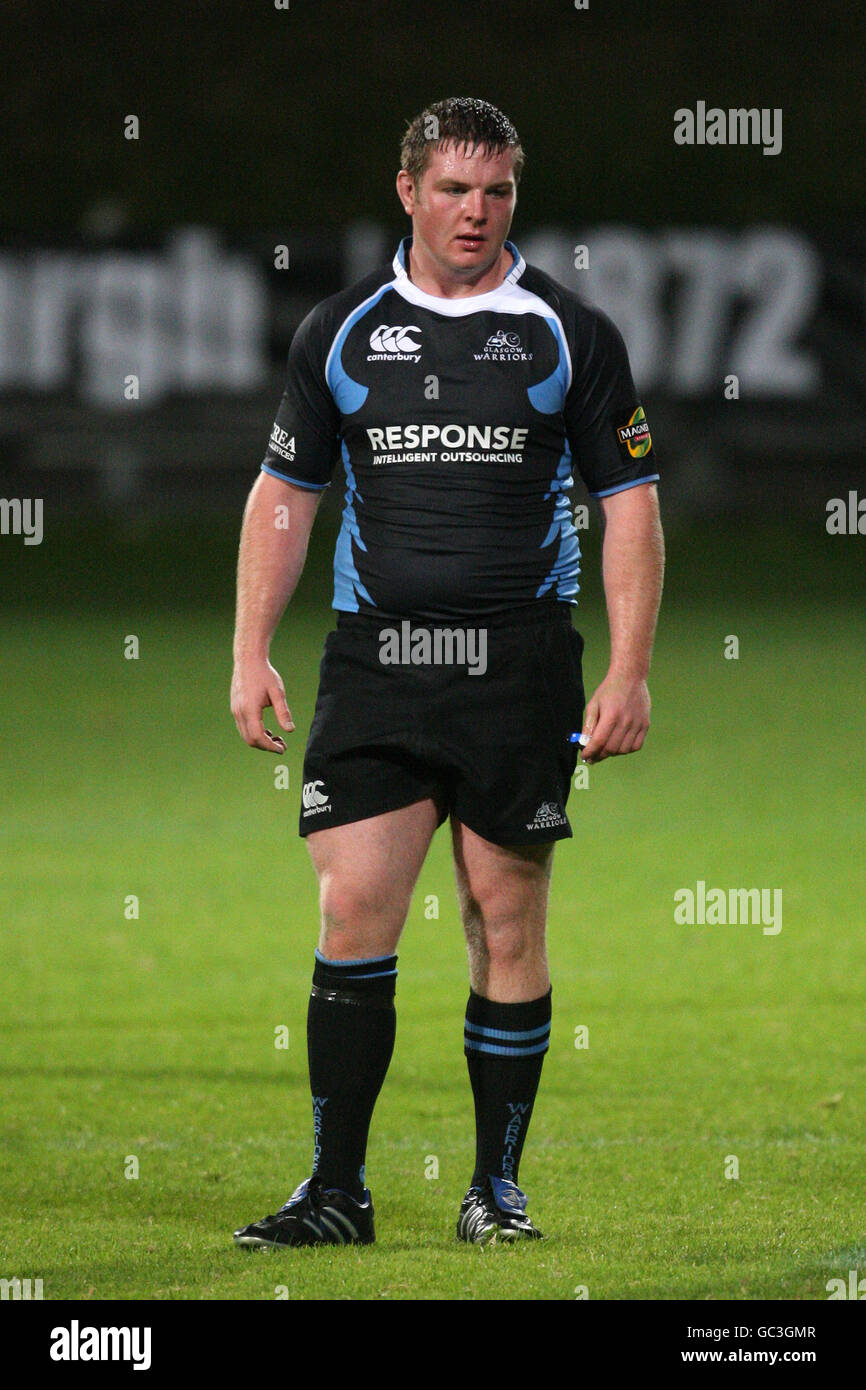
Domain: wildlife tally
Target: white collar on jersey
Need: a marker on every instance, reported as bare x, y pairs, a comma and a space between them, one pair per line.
468, 304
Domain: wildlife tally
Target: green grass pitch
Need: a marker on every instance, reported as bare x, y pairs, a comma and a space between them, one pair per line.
154, 1038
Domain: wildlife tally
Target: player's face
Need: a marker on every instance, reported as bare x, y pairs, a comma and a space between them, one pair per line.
462, 211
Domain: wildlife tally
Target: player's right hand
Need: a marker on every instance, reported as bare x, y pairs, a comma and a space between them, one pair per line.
257, 686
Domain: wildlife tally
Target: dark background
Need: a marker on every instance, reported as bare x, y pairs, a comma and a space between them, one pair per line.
256, 118
265, 126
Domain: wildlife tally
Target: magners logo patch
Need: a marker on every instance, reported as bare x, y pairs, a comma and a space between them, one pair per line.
635, 435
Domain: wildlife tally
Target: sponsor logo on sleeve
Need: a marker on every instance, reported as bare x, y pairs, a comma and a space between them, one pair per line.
282, 444
635, 435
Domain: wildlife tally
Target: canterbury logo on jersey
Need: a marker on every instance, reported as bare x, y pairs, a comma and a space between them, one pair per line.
394, 342
314, 799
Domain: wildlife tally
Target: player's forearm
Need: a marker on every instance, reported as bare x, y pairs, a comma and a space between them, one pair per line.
633, 570
274, 538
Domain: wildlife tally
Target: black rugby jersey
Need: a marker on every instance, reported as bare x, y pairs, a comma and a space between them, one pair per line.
458, 423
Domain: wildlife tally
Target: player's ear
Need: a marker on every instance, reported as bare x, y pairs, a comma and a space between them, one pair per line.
406, 191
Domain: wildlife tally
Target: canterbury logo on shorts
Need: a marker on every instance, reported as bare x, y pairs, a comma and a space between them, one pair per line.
314, 798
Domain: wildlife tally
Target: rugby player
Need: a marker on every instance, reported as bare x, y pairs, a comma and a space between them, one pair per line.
456, 389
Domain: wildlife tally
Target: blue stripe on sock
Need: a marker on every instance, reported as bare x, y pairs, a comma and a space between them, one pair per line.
373, 975
519, 1036
474, 1046
350, 964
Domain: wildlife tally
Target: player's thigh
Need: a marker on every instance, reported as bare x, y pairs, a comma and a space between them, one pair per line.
368, 869
501, 886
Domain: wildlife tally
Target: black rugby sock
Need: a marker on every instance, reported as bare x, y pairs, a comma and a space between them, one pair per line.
351, 1023
505, 1046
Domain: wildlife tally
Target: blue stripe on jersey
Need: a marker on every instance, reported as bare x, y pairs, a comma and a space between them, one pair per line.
347, 582
548, 396
350, 395
622, 487
566, 567
311, 487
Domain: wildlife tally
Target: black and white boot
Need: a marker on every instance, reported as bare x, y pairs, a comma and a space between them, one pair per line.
495, 1211
312, 1216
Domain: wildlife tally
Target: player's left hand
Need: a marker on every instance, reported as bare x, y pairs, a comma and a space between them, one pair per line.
617, 718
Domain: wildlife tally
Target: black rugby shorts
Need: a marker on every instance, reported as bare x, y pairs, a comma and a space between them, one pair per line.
399, 718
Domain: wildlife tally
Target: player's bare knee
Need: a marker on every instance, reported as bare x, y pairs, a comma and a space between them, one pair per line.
354, 915
476, 945
508, 942
364, 940
520, 906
